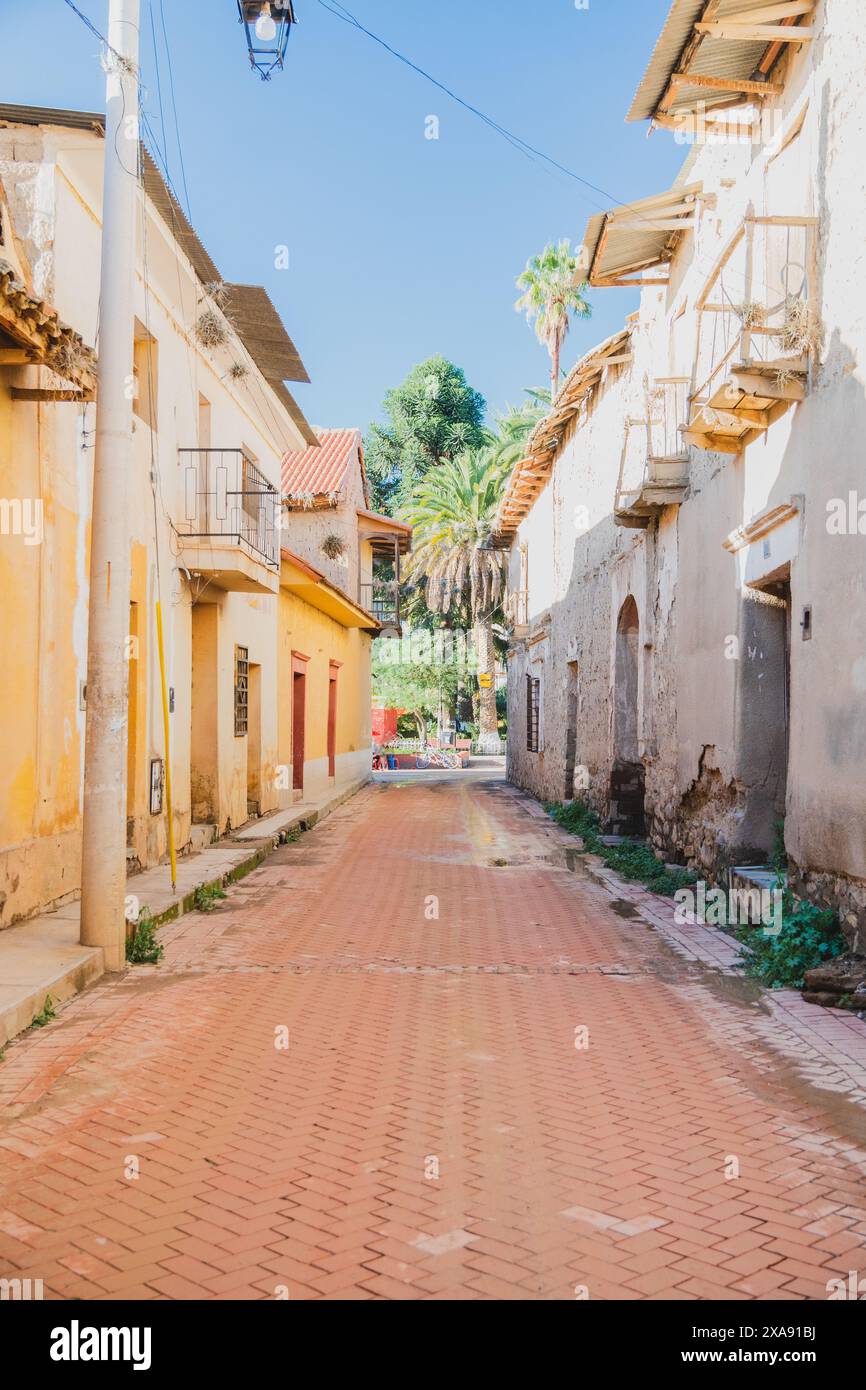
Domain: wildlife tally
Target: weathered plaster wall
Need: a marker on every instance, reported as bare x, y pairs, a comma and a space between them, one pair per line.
711, 700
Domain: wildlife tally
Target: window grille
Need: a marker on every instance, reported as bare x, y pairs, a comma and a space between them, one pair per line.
242, 687
533, 712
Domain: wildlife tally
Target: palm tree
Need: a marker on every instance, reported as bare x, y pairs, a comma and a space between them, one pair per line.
552, 293
514, 428
452, 512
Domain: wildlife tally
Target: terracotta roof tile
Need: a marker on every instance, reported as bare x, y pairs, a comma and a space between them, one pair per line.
318, 471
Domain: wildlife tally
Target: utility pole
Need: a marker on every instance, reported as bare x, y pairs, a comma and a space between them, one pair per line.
103, 851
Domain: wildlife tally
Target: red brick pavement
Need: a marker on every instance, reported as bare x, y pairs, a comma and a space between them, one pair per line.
431, 1130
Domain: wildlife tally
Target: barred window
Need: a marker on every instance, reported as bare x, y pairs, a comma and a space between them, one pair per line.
242, 686
533, 712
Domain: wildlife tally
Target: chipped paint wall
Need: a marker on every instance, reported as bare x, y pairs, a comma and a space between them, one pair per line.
720, 767
53, 179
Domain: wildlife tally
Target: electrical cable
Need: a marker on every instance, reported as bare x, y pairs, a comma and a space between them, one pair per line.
530, 151
174, 108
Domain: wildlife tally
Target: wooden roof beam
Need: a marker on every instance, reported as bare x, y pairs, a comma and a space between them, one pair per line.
727, 84
755, 33
687, 56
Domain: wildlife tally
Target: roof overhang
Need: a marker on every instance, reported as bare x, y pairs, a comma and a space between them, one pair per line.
384, 529
718, 53
530, 476
627, 241
41, 338
248, 308
310, 585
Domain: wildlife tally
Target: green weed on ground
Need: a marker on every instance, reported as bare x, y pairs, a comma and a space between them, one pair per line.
207, 895
635, 861
809, 936
46, 1015
142, 948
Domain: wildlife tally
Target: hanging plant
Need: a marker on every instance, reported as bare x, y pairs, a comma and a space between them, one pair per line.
210, 329
798, 333
238, 371
751, 314
334, 547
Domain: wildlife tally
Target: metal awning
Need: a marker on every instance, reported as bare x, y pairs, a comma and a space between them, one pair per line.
718, 52
631, 239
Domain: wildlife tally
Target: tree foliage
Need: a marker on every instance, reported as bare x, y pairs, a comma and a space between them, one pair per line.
553, 293
419, 688
433, 416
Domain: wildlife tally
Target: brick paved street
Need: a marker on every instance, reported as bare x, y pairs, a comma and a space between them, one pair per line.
431, 1130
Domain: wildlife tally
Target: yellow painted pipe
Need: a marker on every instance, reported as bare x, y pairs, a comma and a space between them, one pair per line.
171, 848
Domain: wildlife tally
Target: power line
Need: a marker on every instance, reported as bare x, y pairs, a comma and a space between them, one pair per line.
531, 151
174, 110
88, 23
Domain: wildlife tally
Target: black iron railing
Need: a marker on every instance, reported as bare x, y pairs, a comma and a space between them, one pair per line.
382, 599
226, 497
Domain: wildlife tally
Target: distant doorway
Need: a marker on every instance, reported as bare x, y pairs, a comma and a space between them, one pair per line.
333, 672
571, 712
764, 708
254, 740
204, 711
627, 781
299, 719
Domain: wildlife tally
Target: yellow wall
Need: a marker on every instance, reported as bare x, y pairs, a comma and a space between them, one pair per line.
304, 629
41, 727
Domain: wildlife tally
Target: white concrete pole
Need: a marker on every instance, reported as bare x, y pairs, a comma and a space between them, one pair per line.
103, 855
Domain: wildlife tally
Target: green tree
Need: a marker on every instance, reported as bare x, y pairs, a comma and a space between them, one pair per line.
452, 511
552, 295
422, 689
435, 415
513, 429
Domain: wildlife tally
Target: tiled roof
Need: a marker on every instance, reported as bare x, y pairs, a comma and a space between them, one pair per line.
319, 471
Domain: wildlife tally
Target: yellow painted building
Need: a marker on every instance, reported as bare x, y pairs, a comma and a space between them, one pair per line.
333, 601
212, 420
324, 683
253, 531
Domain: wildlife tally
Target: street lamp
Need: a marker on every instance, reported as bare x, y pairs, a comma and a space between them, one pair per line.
267, 24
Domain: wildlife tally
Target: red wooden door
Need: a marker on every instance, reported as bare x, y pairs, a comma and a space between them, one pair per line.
332, 724
299, 713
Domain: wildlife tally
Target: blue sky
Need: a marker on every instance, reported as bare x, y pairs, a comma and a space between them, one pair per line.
400, 246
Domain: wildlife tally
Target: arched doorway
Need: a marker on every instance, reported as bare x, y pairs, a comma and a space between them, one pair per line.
627, 774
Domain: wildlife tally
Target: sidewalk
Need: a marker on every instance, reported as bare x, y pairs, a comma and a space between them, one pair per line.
44, 958
830, 1040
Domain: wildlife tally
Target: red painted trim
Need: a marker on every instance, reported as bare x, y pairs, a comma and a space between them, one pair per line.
299, 663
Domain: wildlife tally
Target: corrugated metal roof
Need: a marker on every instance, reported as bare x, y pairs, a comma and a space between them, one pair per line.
530, 476
615, 246
251, 311
734, 59
300, 419
248, 307
50, 115
320, 471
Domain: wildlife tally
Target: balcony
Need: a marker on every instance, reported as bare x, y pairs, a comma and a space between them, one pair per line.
517, 613
758, 332
229, 527
665, 484
381, 597
665, 480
